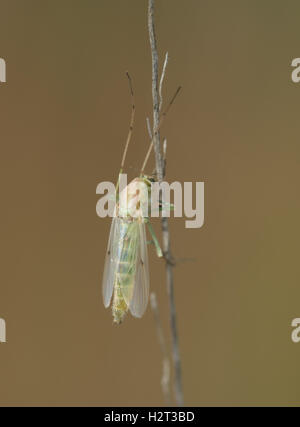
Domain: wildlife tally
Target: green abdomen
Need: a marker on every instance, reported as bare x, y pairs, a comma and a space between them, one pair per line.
125, 277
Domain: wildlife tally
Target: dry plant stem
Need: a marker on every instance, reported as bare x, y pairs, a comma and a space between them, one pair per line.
162, 80
155, 91
165, 228
149, 128
165, 379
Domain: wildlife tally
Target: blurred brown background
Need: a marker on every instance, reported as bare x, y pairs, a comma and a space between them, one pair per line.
64, 117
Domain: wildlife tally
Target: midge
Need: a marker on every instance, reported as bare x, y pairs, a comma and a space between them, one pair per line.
126, 270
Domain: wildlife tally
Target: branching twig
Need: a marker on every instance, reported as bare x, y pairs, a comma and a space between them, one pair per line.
155, 90
149, 128
164, 156
165, 379
165, 228
162, 80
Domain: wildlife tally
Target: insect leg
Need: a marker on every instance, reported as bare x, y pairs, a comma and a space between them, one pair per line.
162, 117
155, 241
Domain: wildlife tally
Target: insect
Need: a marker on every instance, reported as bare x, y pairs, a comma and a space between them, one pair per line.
126, 269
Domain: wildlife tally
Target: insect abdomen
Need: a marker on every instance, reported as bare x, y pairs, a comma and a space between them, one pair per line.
125, 275
119, 307
124, 285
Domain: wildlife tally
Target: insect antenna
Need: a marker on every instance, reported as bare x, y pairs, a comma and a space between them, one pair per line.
162, 118
131, 121
130, 128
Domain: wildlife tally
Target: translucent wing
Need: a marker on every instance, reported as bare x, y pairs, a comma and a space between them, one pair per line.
129, 253
140, 295
111, 262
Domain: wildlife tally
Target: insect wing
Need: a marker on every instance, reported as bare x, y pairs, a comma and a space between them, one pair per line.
140, 296
128, 264
111, 262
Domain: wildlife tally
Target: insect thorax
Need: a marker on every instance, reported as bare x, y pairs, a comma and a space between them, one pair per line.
134, 201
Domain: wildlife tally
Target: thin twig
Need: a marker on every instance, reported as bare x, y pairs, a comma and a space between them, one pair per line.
162, 80
164, 156
155, 90
149, 128
165, 379
165, 227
